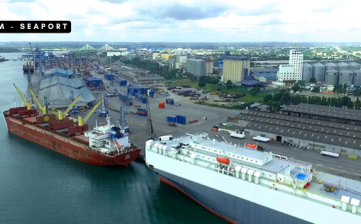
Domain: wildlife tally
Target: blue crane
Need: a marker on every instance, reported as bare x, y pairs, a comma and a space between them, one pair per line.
103, 112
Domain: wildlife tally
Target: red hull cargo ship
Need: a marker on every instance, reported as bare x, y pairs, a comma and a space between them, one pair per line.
105, 145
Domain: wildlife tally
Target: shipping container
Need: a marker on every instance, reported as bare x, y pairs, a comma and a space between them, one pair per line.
123, 82
161, 105
171, 119
214, 129
144, 100
142, 90
141, 109
169, 101
181, 119
56, 125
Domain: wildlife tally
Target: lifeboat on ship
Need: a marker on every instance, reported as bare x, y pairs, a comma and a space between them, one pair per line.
223, 160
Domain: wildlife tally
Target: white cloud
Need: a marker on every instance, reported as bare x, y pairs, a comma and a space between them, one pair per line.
191, 20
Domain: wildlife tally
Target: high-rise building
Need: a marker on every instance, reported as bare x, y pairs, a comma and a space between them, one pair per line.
235, 68
292, 72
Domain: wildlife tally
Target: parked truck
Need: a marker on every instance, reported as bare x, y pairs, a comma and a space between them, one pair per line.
261, 139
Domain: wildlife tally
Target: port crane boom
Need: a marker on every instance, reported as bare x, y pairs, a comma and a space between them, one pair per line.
27, 104
41, 108
63, 115
81, 121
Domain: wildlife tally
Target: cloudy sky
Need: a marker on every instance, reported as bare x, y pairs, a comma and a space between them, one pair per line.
191, 20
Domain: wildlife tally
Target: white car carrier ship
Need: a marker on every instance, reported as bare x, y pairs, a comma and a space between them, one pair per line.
245, 186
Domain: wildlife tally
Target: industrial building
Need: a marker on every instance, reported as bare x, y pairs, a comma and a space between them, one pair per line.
302, 132
292, 72
307, 72
150, 80
61, 92
265, 74
319, 72
197, 67
324, 113
235, 68
59, 72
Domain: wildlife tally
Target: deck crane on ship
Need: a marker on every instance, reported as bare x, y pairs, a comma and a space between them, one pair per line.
82, 121
63, 115
27, 104
42, 108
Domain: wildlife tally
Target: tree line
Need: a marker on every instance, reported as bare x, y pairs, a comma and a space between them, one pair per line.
284, 97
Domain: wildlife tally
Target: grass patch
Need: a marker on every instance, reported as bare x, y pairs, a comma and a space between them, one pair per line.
250, 98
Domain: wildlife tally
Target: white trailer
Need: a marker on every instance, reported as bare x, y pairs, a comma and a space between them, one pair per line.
261, 139
236, 135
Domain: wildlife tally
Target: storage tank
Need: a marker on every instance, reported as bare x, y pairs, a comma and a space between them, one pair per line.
357, 77
319, 72
307, 72
354, 65
331, 77
330, 65
342, 66
345, 77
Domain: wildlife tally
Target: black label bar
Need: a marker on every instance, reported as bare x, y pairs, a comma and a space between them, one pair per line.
33, 26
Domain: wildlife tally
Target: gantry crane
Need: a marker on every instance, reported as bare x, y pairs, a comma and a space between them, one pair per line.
63, 115
82, 121
27, 104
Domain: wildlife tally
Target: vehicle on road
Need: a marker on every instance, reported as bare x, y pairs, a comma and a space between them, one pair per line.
261, 139
237, 135
332, 154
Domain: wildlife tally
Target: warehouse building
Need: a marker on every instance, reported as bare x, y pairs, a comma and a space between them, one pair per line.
302, 132
59, 72
61, 92
150, 80
325, 113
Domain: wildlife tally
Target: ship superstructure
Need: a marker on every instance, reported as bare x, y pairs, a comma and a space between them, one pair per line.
243, 185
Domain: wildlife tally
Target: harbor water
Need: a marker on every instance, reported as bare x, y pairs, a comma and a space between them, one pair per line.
38, 185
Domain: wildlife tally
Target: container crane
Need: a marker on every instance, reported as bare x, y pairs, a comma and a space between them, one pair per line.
63, 115
27, 104
81, 121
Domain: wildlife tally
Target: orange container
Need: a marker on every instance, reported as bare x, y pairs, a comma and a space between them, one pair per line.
253, 146
214, 129
161, 105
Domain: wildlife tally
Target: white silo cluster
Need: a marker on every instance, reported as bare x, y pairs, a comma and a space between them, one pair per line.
333, 73
307, 72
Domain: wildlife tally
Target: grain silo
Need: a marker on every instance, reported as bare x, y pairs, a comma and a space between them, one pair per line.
330, 65
345, 77
354, 65
357, 77
342, 66
319, 72
307, 72
331, 77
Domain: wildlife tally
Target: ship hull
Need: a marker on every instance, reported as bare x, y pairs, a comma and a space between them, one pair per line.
66, 146
226, 206
242, 201
27, 70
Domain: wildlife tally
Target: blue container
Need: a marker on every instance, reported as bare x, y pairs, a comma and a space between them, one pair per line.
123, 82
144, 100
181, 119
142, 90
141, 109
171, 119
151, 93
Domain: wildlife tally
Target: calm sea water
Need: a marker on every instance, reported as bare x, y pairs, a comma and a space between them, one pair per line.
38, 185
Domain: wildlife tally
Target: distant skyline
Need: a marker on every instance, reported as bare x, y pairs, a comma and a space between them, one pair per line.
190, 20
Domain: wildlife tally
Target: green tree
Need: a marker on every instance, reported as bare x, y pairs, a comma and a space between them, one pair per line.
229, 84
316, 90
301, 83
296, 87
313, 80
201, 83
255, 90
